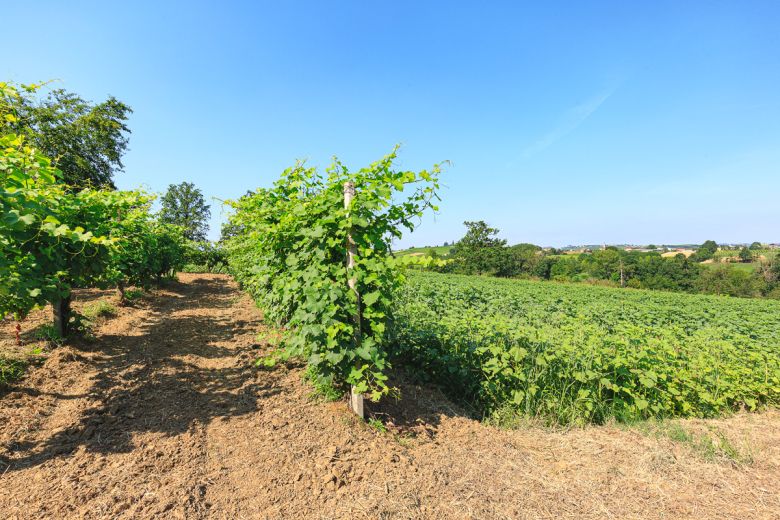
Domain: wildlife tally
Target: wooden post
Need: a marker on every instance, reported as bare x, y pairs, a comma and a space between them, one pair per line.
355, 399
120, 291
120, 286
61, 311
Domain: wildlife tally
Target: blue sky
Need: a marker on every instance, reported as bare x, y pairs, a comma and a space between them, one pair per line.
565, 122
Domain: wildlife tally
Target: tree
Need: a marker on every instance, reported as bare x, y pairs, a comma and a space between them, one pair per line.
480, 252
745, 255
726, 280
525, 257
54, 238
228, 231
565, 268
756, 246
183, 205
769, 270
603, 264
706, 251
85, 141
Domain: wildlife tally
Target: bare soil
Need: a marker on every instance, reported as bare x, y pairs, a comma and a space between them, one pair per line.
164, 415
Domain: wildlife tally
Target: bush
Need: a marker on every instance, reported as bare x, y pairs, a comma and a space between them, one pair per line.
728, 281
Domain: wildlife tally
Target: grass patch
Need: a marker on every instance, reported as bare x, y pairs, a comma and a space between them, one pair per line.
81, 324
737, 266
324, 388
711, 444
376, 424
11, 370
507, 417
99, 309
133, 294
49, 334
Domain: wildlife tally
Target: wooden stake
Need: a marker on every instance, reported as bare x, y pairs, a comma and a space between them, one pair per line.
622, 276
356, 403
120, 290
355, 399
61, 311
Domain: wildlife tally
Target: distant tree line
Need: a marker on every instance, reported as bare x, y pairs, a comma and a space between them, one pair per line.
482, 252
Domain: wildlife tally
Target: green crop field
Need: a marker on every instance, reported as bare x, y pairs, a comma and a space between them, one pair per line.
573, 354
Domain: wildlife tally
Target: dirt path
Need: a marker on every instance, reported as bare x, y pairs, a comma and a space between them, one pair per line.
165, 416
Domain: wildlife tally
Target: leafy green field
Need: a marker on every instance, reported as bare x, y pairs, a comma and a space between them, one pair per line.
573, 354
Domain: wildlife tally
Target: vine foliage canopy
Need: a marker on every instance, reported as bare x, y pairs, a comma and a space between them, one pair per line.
290, 252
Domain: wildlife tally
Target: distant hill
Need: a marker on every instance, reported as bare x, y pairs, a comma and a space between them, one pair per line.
424, 251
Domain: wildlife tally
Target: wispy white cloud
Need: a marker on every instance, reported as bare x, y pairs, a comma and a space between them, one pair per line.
573, 118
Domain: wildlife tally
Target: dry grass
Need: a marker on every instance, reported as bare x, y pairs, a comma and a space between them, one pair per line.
672, 254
